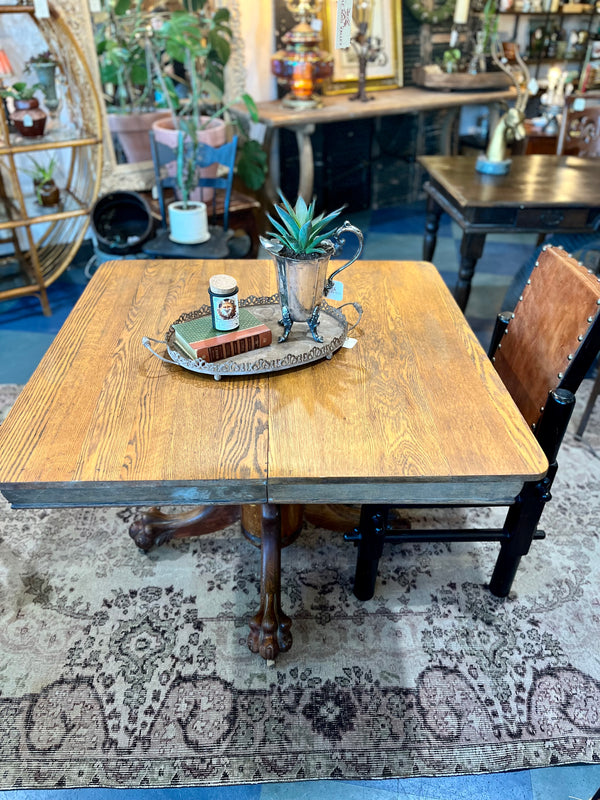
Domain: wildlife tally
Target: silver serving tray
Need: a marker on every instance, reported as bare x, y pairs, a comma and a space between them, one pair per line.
299, 349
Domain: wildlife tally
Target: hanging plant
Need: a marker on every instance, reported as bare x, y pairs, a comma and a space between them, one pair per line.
441, 13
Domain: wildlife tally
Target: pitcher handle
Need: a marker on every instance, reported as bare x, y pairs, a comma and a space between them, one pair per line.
346, 227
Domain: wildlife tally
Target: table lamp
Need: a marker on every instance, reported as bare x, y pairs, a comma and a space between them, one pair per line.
301, 65
368, 48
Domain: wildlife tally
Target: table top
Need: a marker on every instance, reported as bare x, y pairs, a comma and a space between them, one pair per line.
383, 103
415, 411
533, 180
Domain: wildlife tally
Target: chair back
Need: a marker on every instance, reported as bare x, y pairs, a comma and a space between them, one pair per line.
553, 335
164, 159
579, 133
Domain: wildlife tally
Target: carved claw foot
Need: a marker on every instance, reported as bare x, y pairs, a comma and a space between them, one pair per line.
154, 527
313, 322
270, 630
270, 627
287, 322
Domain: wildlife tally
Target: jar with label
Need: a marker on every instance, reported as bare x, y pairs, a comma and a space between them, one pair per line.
224, 307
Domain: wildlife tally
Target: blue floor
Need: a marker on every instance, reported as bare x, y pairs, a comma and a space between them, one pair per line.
395, 234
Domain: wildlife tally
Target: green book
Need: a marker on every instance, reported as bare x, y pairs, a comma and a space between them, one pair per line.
196, 330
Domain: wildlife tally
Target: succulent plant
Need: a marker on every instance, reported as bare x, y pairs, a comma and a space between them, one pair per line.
300, 232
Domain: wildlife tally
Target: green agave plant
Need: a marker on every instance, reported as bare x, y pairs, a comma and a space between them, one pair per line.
300, 232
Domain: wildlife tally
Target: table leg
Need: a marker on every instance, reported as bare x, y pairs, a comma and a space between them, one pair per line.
155, 528
471, 249
432, 224
306, 160
270, 627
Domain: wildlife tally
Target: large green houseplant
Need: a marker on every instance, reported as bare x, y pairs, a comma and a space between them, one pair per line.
195, 43
123, 32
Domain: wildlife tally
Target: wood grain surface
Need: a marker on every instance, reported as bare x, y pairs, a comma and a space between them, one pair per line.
102, 417
413, 410
408, 100
533, 180
415, 401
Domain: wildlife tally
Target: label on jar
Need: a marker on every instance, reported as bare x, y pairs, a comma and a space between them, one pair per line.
225, 312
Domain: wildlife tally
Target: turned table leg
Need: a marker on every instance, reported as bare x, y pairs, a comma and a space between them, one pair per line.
471, 248
270, 627
432, 224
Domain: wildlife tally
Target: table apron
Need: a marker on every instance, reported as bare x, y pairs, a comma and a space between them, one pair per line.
528, 219
145, 494
492, 492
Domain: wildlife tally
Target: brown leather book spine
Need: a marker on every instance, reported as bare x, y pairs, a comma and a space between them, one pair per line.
227, 349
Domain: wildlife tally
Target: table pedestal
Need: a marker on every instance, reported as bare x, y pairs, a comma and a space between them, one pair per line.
267, 526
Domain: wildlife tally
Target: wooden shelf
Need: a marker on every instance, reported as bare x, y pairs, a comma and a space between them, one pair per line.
45, 239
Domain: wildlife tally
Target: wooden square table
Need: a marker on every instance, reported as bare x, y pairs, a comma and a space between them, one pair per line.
413, 413
540, 194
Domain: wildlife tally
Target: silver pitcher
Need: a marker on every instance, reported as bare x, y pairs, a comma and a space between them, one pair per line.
302, 282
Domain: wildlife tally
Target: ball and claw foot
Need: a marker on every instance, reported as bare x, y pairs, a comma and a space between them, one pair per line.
270, 630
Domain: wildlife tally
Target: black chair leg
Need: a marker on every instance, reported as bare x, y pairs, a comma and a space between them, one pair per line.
523, 517
520, 526
372, 527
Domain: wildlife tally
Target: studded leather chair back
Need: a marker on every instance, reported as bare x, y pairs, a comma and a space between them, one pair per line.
554, 333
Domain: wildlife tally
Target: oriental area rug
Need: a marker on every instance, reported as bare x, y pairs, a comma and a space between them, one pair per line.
122, 669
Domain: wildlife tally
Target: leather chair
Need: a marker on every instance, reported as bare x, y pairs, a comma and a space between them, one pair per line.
579, 135
542, 352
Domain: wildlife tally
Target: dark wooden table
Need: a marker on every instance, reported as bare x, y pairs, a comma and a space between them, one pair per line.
103, 422
540, 194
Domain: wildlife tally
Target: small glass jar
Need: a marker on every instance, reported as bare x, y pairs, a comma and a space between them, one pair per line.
224, 307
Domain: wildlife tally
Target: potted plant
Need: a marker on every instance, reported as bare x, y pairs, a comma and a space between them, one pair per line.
28, 117
301, 247
451, 59
46, 190
199, 41
188, 222
44, 65
123, 31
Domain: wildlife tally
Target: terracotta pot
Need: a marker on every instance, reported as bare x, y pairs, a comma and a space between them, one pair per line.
214, 134
132, 132
28, 117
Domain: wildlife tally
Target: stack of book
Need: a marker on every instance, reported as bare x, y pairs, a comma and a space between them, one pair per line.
197, 338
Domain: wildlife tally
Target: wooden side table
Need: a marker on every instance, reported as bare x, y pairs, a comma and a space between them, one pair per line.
540, 194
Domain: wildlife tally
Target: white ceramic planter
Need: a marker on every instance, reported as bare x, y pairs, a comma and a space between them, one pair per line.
188, 225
